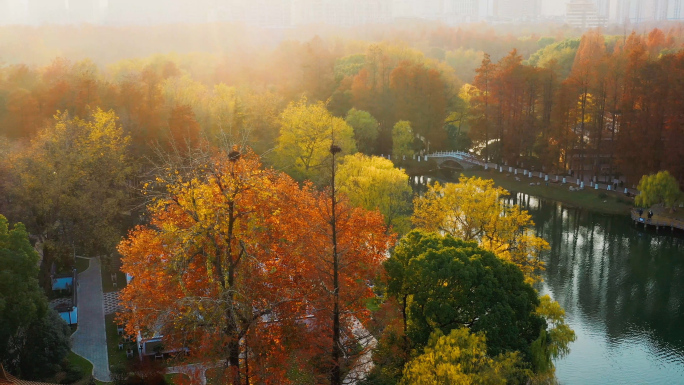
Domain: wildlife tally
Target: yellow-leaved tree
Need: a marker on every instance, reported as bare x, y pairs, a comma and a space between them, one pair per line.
306, 133
373, 183
473, 211
460, 358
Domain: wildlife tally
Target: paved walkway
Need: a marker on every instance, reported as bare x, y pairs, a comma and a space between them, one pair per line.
364, 364
196, 372
111, 302
90, 339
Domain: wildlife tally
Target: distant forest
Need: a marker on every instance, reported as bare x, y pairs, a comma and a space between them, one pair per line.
600, 104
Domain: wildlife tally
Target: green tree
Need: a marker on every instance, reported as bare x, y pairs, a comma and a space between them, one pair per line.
306, 133
70, 185
461, 358
365, 129
375, 184
21, 299
471, 210
33, 339
658, 188
444, 283
402, 140
46, 345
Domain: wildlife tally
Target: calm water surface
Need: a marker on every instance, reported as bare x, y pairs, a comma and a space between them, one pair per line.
623, 292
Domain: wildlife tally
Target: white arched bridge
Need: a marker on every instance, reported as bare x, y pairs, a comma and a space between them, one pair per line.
455, 160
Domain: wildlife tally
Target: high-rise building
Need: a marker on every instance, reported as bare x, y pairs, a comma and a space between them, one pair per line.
340, 12
516, 10
83, 11
5, 14
457, 11
584, 14
47, 11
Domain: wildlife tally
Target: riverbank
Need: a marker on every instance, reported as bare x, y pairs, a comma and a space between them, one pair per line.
608, 202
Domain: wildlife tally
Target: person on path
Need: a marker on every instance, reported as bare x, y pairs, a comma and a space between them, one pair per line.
641, 212
650, 215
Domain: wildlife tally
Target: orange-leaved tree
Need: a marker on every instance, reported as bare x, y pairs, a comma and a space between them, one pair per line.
233, 266
222, 253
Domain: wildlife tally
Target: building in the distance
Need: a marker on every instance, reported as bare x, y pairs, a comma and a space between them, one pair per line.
47, 12
516, 10
5, 13
637, 11
459, 11
83, 11
584, 14
340, 12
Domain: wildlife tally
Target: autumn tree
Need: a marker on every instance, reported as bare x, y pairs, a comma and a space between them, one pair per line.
235, 256
184, 131
365, 129
402, 140
471, 210
461, 358
375, 184
581, 79
348, 246
217, 257
306, 133
660, 188
421, 98
70, 184
482, 105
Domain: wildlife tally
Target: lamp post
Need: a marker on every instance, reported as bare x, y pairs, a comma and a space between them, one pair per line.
335, 375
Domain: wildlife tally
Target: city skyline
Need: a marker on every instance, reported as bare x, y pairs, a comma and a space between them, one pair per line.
287, 13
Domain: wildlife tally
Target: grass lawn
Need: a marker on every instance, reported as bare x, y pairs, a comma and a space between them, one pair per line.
107, 284
83, 365
82, 264
117, 357
610, 202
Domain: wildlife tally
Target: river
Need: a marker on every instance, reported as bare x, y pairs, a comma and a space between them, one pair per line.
623, 292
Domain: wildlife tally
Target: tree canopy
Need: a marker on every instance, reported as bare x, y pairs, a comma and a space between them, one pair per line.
402, 140
306, 133
365, 129
33, 339
234, 258
472, 210
375, 184
658, 188
71, 182
460, 358
448, 284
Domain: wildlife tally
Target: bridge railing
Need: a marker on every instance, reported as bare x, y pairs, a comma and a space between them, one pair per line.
468, 157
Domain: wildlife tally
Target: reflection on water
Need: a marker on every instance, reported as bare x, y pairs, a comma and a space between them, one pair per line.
623, 292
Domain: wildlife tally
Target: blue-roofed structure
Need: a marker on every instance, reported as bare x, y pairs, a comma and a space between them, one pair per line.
66, 307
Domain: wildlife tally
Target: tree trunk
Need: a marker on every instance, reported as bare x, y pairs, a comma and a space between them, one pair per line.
234, 360
336, 374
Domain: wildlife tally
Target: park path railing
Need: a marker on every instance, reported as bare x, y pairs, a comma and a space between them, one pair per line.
656, 221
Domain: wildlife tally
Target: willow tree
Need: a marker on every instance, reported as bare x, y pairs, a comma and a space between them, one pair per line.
375, 184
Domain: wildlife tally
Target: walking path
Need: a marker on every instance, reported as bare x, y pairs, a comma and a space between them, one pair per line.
364, 364
195, 371
90, 339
